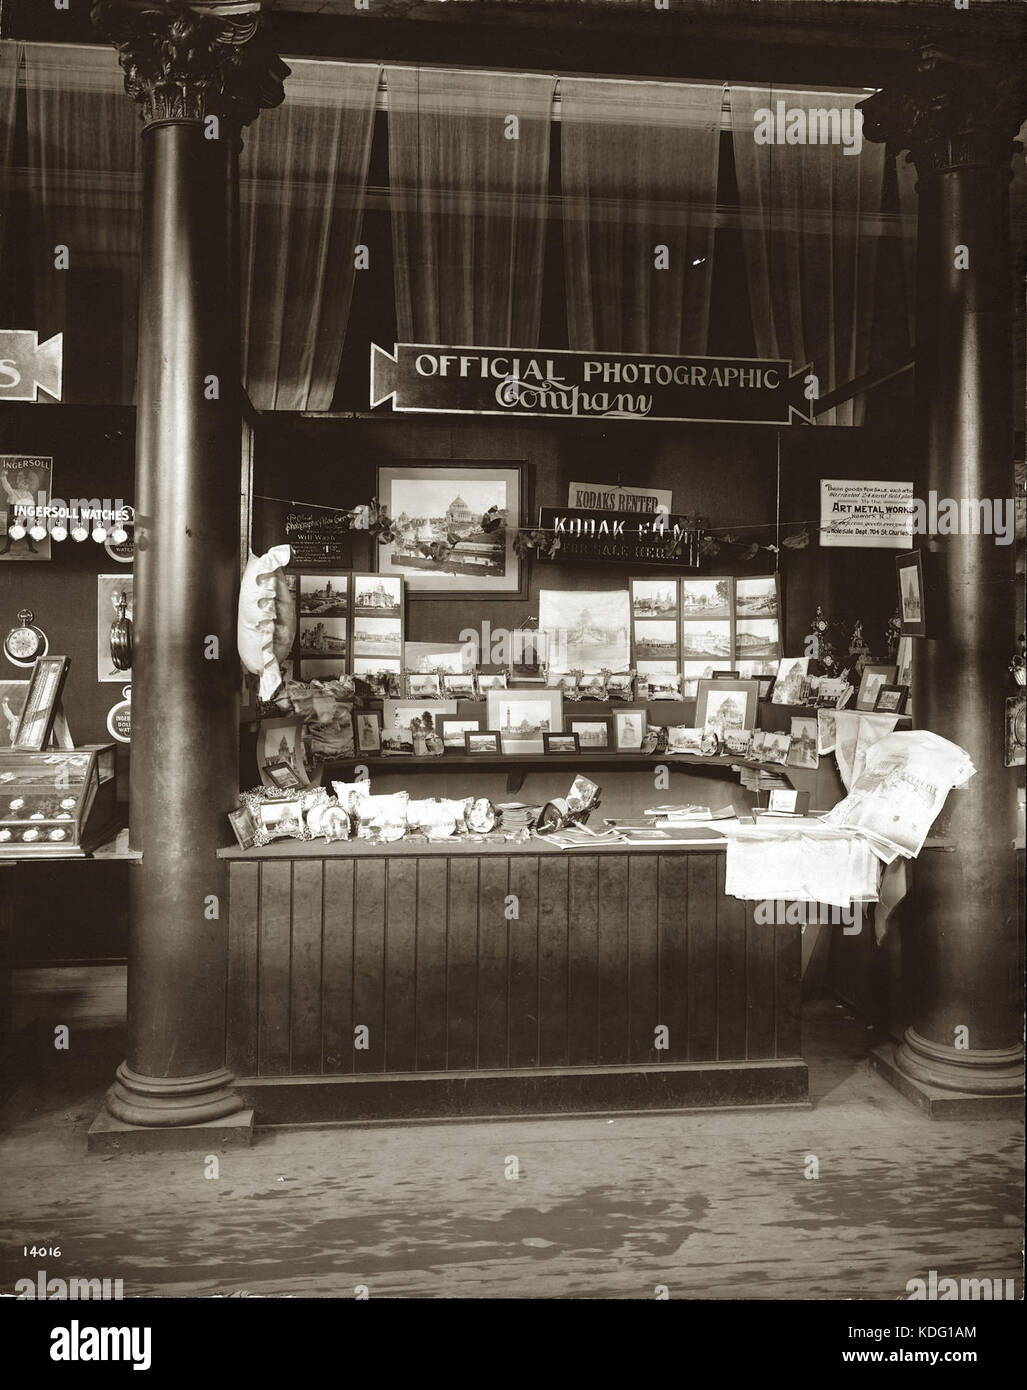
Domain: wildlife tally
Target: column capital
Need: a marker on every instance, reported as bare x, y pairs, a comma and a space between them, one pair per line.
959, 107
185, 60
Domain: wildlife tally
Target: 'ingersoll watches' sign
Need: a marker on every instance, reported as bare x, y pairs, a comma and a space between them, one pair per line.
641, 539
589, 385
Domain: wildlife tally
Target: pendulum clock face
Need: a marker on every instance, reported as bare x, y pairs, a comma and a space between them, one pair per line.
24, 644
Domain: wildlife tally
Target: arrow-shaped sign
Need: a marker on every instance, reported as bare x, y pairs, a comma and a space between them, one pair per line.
589, 385
27, 365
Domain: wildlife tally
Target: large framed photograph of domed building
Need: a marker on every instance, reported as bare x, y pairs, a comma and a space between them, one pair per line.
453, 527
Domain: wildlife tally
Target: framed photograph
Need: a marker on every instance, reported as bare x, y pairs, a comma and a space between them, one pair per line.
726, 706
377, 596
654, 598
705, 598
629, 726
378, 637
279, 819
453, 731
589, 630
692, 673
702, 637
727, 675
322, 637
490, 678
523, 716
909, 569
375, 665
454, 526
367, 729
802, 746
244, 827
683, 739
757, 597
789, 685
904, 662
12, 702
529, 647
322, 670
482, 743
1016, 730
458, 687
422, 687
280, 746
109, 588
873, 678
284, 776
763, 671
891, 699
42, 703
775, 748
621, 686
591, 733
564, 681
437, 656
656, 639
324, 595
561, 743
409, 724
757, 638
592, 688
664, 685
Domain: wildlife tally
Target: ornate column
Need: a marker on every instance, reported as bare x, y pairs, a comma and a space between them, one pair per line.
199, 73
957, 117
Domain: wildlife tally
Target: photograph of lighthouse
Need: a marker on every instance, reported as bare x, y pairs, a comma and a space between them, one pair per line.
453, 528
523, 716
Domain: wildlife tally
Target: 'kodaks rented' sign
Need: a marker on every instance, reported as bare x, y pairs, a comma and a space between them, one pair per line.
589, 385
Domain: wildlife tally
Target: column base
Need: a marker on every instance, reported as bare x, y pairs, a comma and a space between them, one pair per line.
172, 1100
992, 1072
110, 1136
939, 1104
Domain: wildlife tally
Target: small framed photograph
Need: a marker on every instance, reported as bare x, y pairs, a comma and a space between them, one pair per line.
591, 733
490, 678
654, 598
706, 598
453, 731
423, 687
324, 595
323, 637
564, 681
42, 703
523, 716
909, 569
367, 726
561, 743
281, 818
280, 742
726, 705
484, 742
757, 639
629, 726
377, 637
891, 699
726, 675
592, 687
873, 678
409, 724
529, 647
681, 738
283, 775
802, 746
458, 687
1016, 730
620, 686
664, 685
705, 638
775, 748
790, 683
378, 595
376, 666
757, 597
904, 662
244, 827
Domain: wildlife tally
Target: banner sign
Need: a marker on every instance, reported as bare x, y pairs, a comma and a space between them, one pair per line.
639, 539
605, 497
27, 365
587, 385
855, 512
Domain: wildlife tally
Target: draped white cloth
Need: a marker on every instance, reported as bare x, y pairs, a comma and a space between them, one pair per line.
303, 185
638, 173
468, 189
810, 223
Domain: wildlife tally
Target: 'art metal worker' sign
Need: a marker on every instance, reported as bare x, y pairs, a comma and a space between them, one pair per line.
589, 385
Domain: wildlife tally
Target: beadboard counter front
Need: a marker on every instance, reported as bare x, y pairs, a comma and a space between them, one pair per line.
489, 980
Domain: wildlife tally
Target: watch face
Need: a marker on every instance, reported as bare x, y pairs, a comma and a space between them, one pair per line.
23, 643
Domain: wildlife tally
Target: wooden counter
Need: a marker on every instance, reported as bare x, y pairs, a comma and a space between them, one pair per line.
408, 981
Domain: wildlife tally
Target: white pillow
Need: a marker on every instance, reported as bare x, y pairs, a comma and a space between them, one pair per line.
267, 617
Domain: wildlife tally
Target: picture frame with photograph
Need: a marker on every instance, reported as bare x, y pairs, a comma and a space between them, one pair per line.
589, 629
490, 677
280, 742
561, 743
891, 699
726, 706
529, 648
758, 596
802, 746
775, 748
909, 574
459, 686
1016, 731
408, 725
244, 827
654, 599
281, 820
726, 676
453, 731
42, 706
283, 776
485, 743
420, 685
523, 716
706, 598
377, 595
706, 639
593, 734
440, 657
367, 730
13, 695
325, 594
790, 681
757, 639
629, 728
873, 677
904, 662
437, 509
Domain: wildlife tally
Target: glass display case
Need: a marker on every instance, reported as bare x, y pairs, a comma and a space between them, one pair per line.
57, 802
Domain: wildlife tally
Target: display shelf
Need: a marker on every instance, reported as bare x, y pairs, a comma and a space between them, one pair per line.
57, 804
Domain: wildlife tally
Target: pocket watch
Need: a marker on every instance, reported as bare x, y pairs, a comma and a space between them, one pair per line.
23, 645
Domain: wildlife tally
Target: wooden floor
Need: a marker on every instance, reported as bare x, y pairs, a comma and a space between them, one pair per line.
713, 1205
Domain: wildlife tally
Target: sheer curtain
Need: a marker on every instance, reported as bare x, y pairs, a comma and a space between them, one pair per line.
303, 186
638, 171
468, 182
810, 219
84, 181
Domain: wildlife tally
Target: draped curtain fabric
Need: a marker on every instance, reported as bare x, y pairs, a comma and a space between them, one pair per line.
639, 171
84, 181
303, 185
468, 182
810, 221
